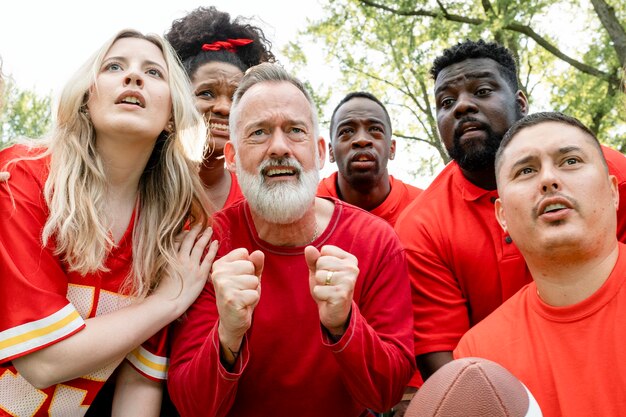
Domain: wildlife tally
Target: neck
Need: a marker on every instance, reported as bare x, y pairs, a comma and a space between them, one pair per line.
569, 279
216, 180
483, 178
124, 162
299, 233
367, 197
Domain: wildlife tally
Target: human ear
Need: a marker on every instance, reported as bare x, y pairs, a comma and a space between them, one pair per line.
500, 215
229, 156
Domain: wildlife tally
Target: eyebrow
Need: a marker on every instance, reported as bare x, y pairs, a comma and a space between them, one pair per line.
522, 161
125, 60
470, 75
352, 120
561, 151
255, 124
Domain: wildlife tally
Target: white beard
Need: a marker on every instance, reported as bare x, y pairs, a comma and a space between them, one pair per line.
281, 202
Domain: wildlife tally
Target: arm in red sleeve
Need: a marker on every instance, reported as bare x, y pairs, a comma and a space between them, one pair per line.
375, 353
198, 382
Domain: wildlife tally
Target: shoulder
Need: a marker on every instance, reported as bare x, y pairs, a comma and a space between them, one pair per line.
353, 214
489, 334
28, 166
327, 187
412, 190
23, 154
360, 228
233, 216
432, 202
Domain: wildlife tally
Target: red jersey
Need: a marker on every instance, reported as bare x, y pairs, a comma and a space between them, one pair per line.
570, 357
42, 303
462, 266
286, 366
399, 197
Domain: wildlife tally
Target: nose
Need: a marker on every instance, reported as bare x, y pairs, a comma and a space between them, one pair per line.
549, 181
221, 105
279, 144
465, 104
552, 187
361, 140
133, 78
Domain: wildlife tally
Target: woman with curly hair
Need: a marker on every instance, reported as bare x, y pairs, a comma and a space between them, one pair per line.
215, 52
92, 257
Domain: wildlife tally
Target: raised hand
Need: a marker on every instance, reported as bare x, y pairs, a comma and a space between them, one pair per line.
4, 176
196, 266
237, 282
332, 276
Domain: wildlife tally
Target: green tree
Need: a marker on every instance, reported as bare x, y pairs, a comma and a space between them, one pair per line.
387, 47
25, 114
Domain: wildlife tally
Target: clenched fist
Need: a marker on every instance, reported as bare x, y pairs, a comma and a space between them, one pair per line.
237, 282
332, 276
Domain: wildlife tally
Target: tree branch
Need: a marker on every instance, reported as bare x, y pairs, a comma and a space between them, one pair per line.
400, 135
616, 31
516, 27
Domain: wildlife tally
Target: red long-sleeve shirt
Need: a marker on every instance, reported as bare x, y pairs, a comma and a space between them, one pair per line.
287, 366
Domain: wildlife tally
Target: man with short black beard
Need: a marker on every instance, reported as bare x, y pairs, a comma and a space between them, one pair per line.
329, 334
462, 265
361, 144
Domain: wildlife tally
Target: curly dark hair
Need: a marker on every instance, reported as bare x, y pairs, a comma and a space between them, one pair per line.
206, 25
478, 49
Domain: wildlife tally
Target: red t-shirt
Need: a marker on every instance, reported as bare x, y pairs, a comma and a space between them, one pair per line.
287, 367
571, 358
42, 303
462, 266
399, 197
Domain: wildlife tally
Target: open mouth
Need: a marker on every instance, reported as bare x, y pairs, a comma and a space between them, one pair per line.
275, 172
131, 99
553, 208
468, 126
220, 127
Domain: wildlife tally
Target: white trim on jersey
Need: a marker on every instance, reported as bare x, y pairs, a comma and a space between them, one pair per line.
148, 363
35, 334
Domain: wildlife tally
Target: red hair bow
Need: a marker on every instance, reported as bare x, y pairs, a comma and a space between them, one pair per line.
229, 44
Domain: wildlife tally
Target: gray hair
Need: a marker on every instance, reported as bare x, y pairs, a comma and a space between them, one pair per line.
268, 73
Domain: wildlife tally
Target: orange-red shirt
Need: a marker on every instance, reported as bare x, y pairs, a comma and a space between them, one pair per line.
571, 358
399, 197
462, 265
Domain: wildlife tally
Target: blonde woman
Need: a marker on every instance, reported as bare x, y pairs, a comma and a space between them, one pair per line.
92, 259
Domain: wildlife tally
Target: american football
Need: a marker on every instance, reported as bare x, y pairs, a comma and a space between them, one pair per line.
472, 387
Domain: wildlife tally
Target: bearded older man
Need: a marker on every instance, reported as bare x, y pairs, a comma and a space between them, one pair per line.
329, 334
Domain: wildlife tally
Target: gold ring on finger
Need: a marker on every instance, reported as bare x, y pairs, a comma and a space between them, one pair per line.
329, 276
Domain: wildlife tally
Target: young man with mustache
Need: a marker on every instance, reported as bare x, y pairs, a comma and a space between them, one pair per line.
562, 334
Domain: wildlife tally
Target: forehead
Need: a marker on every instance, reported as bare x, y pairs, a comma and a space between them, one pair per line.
274, 102
468, 70
218, 70
360, 108
136, 48
547, 138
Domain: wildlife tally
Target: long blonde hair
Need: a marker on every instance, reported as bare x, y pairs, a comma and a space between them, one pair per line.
170, 191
